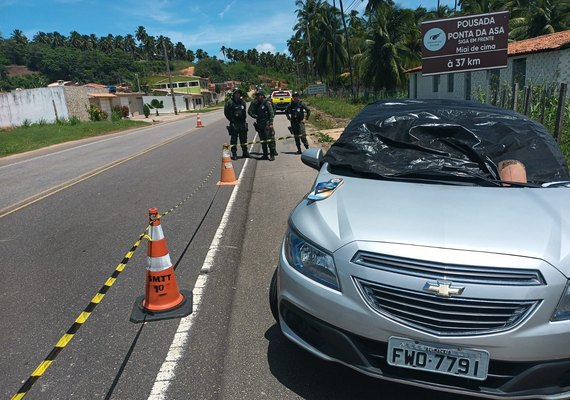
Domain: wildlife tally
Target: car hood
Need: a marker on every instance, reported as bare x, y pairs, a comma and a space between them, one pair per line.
516, 221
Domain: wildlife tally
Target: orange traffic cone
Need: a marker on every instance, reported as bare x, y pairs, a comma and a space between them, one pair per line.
162, 299
228, 175
198, 121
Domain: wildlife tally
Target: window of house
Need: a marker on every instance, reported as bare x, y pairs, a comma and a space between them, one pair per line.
436, 83
519, 72
450, 83
182, 84
194, 83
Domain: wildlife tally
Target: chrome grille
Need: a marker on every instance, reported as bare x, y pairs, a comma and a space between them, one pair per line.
456, 273
444, 316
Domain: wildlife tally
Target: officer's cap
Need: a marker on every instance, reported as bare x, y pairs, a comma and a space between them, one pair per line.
260, 93
296, 94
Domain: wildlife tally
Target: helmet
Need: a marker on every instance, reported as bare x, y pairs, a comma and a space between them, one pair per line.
296, 94
260, 93
237, 91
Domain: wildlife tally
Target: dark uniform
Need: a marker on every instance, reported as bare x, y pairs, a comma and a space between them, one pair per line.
295, 113
235, 112
262, 110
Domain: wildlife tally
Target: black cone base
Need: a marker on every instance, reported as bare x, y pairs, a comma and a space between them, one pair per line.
141, 314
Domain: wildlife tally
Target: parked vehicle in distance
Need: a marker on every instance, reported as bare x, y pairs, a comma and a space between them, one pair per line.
418, 257
281, 99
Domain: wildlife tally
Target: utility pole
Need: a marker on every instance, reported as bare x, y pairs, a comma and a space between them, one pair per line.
170, 79
312, 66
334, 51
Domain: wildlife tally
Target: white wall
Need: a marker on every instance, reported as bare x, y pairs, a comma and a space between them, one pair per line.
167, 102
34, 105
547, 67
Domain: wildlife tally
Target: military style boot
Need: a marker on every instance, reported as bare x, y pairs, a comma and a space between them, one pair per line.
272, 156
298, 149
234, 153
245, 153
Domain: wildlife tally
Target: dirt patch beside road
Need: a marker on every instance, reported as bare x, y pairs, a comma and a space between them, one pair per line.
326, 137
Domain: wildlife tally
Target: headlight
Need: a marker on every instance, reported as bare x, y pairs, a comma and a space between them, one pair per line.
562, 311
310, 261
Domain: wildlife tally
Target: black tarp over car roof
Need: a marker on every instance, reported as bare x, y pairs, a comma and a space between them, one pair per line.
444, 137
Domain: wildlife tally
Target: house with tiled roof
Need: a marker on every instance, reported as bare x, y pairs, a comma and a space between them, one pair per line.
543, 60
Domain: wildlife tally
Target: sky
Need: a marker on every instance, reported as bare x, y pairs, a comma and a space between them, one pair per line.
265, 25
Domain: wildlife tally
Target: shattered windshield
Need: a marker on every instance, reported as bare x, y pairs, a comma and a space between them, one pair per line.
443, 139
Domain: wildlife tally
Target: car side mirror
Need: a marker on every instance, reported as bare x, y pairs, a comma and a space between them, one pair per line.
313, 158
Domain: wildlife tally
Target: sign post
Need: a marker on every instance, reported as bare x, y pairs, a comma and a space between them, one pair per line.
467, 43
317, 89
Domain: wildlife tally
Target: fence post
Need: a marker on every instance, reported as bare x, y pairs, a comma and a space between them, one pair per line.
560, 111
514, 99
527, 95
543, 104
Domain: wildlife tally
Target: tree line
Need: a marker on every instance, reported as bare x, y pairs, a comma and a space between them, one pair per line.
335, 45
373, 50
117, 59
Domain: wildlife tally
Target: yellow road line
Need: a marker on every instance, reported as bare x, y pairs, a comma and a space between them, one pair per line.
74, 181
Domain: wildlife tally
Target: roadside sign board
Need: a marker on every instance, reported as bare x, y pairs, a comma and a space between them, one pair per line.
317, 89
466, 43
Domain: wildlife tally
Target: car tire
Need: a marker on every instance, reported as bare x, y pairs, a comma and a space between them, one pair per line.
273, 297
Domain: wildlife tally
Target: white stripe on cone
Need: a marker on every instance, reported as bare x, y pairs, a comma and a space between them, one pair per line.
157, 264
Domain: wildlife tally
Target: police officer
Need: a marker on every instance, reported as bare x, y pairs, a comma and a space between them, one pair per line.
235, 112
262, 110
295, 113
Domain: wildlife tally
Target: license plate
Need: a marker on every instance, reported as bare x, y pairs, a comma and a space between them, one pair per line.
442, 359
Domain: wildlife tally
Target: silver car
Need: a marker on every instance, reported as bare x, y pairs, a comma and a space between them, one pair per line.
415, 259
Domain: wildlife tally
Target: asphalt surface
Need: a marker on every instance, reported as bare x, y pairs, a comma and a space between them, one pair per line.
59, 248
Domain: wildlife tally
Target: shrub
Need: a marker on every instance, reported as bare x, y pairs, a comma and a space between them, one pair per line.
156, 104
96, 114
74, 121
26, 123
117, 114
125, 111
146, 110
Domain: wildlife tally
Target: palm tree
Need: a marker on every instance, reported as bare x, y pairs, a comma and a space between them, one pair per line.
75, 40
41, 38
538, 17
58, 40
480, 6
190, 56
130, 45
382, 62
329, 49
18, 37
180, 51
307, 16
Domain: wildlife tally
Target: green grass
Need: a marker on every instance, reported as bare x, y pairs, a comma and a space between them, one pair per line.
335, 106
36, 136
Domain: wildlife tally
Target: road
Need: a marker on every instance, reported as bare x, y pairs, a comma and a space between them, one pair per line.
69, 216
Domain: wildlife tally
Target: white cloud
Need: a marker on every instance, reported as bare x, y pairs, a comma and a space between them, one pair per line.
226, 9
265, 47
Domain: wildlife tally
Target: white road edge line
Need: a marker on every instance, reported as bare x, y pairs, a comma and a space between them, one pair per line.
167, 371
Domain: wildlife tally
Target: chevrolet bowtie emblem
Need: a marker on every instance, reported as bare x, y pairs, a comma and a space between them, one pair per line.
443, 289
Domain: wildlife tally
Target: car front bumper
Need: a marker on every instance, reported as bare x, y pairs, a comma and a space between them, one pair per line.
342, 327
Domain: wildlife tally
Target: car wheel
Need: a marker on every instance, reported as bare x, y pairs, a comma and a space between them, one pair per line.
273, 297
